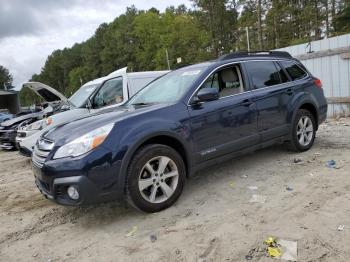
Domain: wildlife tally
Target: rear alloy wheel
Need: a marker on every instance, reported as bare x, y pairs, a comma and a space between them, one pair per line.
156, 178
303, 131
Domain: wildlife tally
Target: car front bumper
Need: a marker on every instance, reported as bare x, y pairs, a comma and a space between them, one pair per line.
8, 139
95, 183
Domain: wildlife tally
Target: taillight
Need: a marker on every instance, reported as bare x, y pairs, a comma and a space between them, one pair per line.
318, 83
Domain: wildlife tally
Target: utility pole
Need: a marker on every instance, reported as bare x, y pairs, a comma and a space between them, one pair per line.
167, 58
247, 31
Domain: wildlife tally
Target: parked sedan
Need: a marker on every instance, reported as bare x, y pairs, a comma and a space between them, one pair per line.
189, 119
5, 117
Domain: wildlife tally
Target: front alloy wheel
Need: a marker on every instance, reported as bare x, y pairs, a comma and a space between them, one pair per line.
158, 179
155, 179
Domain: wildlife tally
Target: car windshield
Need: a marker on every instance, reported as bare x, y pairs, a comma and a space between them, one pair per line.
82, 94
167, 89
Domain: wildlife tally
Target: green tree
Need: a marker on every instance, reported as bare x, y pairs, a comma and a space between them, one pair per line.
5, 78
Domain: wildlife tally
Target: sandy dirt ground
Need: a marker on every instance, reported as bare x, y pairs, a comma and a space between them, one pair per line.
212, 221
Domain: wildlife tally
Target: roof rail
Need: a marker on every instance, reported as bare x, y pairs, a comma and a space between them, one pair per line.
255, 53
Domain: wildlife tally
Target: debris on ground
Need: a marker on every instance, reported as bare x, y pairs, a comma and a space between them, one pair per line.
232, 184
341, 227
244, 176
273, 249
252, 188
297, 160
132, 232
153, 237
256, 253
331, 164
257, 199
248, 257
282, 249
288, 188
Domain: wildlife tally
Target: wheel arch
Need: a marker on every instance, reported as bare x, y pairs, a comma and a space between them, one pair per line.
312, 109
304, 101
164, 138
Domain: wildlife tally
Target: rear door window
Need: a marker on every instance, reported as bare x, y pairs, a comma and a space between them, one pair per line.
263, 73
295, 72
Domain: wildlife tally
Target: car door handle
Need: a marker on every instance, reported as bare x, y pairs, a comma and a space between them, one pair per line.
246, 102
289, 91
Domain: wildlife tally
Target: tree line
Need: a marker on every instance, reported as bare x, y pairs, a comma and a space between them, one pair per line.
145, 39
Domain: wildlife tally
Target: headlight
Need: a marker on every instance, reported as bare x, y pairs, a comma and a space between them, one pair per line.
85, 143
38, 125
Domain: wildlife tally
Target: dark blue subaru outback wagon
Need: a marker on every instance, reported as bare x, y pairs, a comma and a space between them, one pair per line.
190, 118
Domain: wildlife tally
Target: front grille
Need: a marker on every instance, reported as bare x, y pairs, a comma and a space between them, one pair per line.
41, 151
45, 186
61, 191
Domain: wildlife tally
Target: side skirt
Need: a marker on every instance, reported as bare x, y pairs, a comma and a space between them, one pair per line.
226, 157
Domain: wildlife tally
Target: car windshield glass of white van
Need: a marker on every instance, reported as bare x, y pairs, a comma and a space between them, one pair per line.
79, 98
167, 89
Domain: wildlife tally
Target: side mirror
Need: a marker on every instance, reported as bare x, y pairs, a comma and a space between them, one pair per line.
65, 108
207, 94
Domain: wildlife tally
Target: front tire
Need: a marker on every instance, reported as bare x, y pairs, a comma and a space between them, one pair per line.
303, 131
155, 179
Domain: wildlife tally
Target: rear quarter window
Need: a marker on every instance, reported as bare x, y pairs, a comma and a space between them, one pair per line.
294, 71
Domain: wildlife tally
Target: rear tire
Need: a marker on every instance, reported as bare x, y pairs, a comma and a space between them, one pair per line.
155, 179
303, 131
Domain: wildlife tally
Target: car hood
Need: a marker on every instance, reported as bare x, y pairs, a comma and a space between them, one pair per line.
48, 93
72, 130
21, 119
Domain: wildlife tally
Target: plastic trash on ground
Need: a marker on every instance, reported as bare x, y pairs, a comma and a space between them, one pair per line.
297, 160
341, 228
282, 249
331, 164
132, 232
257, 199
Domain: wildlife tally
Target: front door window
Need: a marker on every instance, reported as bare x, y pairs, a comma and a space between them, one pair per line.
110, 93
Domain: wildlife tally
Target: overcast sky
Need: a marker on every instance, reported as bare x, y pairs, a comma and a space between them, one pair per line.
31, 29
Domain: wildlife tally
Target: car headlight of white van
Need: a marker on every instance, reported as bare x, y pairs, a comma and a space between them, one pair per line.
85, 143
38, 125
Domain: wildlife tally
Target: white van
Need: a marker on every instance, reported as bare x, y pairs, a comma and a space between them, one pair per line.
102, 93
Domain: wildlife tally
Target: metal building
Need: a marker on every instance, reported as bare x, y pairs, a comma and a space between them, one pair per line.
329, 60
9, 100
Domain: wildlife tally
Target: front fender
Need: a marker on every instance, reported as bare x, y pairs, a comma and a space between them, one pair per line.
132, 139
